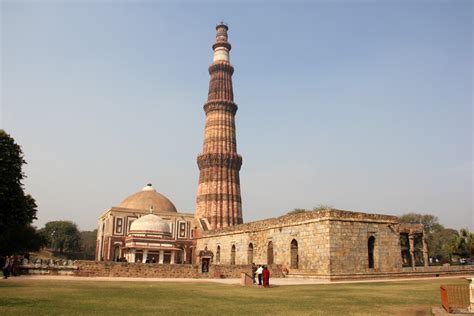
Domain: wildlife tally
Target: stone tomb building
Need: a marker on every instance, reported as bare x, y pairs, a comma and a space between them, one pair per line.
324, 243
145, 226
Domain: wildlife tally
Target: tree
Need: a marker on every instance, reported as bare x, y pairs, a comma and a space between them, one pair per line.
462, 243
88, 242
17, 209
430, 222
62, 235
297, 211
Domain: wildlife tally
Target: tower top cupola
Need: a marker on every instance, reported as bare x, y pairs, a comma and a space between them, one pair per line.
221, 46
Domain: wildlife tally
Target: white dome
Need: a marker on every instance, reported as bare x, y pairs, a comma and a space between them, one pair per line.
150, 223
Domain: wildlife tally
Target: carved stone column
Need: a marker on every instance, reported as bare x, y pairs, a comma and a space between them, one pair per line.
161, 257
426, 259
411, 239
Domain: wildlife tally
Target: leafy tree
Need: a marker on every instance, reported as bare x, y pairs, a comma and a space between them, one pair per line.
62, 235
430, 222
17, 209
322, 207
462, 243
297, 211
88, 242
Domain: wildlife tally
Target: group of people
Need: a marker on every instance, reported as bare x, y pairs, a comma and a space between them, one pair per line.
10, 266
260, 275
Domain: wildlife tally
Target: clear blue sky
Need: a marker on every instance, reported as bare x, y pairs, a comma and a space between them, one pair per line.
363, 105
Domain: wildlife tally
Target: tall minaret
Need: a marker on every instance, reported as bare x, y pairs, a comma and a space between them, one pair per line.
218, 197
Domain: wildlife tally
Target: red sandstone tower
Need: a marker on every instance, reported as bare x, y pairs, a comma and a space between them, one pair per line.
218, 198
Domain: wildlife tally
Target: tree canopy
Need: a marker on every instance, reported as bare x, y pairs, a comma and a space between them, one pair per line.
17, 209
62, 236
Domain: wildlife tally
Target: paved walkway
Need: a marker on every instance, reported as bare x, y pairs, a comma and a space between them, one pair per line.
273, 281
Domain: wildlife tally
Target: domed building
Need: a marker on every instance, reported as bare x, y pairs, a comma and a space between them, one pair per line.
145, 227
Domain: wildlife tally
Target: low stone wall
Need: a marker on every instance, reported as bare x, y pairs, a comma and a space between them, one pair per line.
417, 272
153, 270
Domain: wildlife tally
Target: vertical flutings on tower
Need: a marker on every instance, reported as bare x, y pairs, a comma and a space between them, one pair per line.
218, 197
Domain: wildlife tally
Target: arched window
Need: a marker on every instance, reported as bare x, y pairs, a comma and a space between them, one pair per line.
294, 254
218, 254
232, 255
270, 253
250, 254
370, 246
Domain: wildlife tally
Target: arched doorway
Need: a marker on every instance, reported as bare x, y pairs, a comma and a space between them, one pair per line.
294, 254
270, 253
370, 246
232, 255
218, 254
250, 254
116, 256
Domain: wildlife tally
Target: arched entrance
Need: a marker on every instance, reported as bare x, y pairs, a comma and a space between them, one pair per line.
232, 255
250, 254
116, 256
270, 253
294, 254
370, 246
218, 254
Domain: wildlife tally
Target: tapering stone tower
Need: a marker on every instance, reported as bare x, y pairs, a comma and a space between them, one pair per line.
218, 197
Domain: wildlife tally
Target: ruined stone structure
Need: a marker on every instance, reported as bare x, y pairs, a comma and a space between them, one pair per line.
218, 197
324, 243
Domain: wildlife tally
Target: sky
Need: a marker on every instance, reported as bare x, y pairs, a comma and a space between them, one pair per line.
361, 105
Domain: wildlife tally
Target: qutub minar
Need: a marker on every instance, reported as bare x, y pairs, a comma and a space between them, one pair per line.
218, 198
146, 227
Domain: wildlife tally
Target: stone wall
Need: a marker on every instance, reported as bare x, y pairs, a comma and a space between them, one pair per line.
349, 247
149, 270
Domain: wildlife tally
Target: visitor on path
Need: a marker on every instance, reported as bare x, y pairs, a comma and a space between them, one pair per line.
259, 274
254, 272
6, 267
266, 277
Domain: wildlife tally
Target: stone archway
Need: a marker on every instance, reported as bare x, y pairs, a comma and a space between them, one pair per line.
232, 255
250, 254
116, 255
270, 253
371, 246
294, 254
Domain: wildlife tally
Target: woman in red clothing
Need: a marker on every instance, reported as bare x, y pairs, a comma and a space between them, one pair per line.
266, 277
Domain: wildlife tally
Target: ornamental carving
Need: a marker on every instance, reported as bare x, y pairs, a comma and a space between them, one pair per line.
233, 161
220, 105
221, 66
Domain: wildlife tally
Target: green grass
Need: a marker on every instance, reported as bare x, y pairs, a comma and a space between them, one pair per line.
150, 298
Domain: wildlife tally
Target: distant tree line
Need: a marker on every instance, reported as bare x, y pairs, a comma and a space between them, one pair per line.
444, 244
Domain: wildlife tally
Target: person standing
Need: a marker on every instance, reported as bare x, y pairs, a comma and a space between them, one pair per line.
266, 277
254, 272
6, 267
259, 274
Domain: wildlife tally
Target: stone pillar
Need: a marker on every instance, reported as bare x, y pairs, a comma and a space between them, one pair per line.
184, 254
411, 239
426, 259
132, 255
162, 255
145, 255
471, 295
172, 256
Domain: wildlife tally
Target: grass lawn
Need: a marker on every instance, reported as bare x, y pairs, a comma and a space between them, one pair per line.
32, 297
